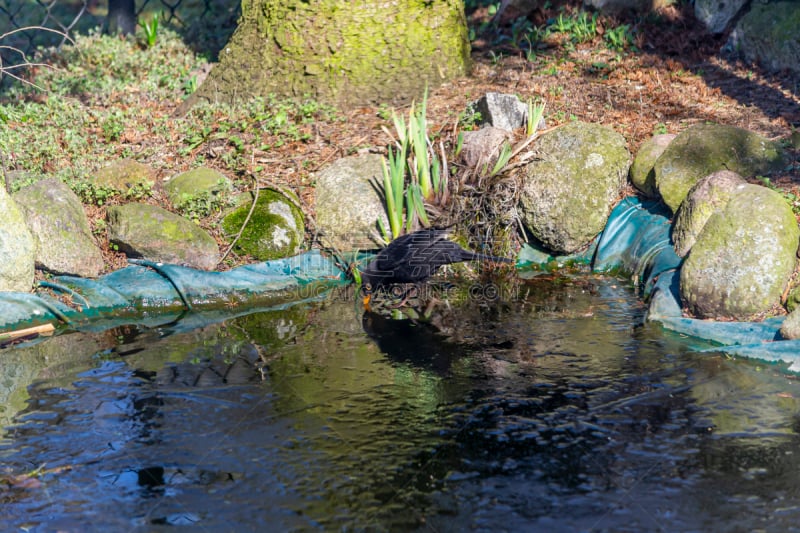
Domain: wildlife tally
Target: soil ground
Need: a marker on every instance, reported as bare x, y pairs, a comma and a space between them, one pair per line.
675, 79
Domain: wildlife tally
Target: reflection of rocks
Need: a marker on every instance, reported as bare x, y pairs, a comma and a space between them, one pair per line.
54, 357
239, 369
741, 399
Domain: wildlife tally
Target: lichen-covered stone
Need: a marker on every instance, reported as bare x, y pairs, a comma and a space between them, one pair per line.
642, 174
60, 228
709, 195
502, 111
706, 148
124, 174
198, 181
348, 203
742, 260
570, 186
17, 247
340, 52
768, 35
153, 233
275, 228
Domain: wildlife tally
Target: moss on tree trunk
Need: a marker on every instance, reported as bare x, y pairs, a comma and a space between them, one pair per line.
341, 52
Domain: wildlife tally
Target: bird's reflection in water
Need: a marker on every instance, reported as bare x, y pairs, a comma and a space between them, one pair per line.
414, 342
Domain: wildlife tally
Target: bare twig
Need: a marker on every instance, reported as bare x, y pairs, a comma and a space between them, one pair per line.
6, 69
246, 220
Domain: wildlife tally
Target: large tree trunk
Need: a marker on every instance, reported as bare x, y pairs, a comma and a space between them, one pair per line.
121, 17
339, 51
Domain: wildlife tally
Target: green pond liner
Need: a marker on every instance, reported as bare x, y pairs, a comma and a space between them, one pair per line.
635, 243
150, 293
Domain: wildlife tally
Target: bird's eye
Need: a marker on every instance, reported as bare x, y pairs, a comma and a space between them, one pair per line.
367, 287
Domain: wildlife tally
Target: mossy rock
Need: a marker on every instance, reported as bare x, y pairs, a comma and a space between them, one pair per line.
17, 247
153, 233
192, 183
275, 229
347, 202
743, 257
570, 186
793, 299
642, 174
707, 148
123, 175
60, 228
709, 195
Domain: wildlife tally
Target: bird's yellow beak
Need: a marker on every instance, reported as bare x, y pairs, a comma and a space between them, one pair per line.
367, 288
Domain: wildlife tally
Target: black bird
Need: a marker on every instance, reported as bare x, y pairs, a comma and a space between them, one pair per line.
414, 258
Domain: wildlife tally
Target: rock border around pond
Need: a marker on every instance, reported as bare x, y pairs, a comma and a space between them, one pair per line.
736, 242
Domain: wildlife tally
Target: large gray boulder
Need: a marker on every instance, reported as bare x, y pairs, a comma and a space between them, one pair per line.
642, 174
716, 15
708, 196
706, 148
742, 260
274, 230
60, 228
768, 35
568, 189
348, 202
149, 232
17, 247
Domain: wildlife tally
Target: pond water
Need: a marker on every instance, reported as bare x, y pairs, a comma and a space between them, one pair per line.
552, 408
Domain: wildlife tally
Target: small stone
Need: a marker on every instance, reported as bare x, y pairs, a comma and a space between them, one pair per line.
502, 111
481, 148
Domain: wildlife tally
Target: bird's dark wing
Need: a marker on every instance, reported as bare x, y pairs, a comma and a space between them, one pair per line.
410, 249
